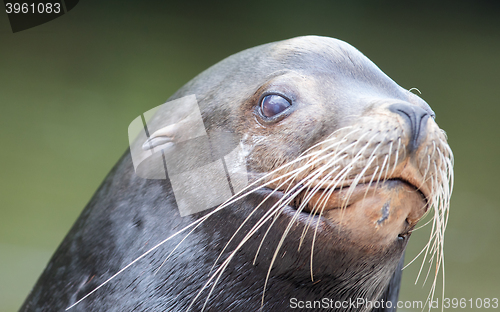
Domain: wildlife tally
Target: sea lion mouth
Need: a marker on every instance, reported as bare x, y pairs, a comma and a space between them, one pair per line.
322, 200
375, 212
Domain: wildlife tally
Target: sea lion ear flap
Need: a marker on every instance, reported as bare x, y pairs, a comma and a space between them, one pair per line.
187, 128
161, 136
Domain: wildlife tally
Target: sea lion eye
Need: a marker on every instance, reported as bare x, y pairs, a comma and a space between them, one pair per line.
273, 105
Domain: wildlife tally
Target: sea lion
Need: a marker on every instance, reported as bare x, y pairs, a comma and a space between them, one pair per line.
341, 164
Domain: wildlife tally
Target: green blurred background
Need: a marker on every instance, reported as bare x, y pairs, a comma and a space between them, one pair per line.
69, 89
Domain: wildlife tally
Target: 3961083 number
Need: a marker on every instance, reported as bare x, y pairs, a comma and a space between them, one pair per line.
41, 8
463, 303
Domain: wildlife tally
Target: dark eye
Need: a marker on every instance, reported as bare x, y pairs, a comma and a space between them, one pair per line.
273, 105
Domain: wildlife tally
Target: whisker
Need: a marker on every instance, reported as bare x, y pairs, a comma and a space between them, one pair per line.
397, 156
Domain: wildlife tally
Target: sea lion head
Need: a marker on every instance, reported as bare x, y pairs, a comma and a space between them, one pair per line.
341, 163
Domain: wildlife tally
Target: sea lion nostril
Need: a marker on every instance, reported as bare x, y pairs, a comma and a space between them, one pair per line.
416, 118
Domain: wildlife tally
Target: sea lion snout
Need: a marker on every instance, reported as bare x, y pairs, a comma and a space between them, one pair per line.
416, 119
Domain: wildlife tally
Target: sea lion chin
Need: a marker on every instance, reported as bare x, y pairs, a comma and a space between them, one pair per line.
340, 164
